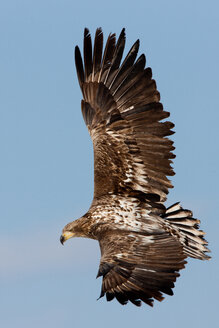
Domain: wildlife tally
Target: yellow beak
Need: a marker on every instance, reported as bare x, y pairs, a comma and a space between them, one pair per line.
65, 236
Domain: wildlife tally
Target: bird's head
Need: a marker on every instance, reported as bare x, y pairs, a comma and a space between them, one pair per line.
69, 231
74, 229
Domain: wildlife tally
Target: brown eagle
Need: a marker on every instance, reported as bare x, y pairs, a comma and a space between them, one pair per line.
143, 244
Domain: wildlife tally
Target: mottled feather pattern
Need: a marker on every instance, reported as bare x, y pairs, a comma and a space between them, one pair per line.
125, 213
143, 244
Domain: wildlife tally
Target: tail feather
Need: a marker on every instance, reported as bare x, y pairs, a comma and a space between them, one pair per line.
187, 229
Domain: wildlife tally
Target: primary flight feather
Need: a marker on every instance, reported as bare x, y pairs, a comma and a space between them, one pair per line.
143, 244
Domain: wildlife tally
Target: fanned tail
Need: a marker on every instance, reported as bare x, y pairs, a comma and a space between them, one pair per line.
189, 234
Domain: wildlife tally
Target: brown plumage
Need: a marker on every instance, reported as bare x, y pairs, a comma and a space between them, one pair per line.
143, 244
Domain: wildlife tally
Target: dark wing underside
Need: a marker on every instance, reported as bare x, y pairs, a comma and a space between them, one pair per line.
123, 114
139, 268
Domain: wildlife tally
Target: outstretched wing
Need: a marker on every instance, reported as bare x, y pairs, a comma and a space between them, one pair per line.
122, 111
139, 267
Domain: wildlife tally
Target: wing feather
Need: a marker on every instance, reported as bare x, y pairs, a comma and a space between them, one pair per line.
107, 56
79, 67
126, 66
88, 63
116, 60
97, 56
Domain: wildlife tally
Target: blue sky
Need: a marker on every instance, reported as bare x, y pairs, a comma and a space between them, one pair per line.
47, 163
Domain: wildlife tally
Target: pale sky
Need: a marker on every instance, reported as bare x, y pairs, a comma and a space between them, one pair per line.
47, 163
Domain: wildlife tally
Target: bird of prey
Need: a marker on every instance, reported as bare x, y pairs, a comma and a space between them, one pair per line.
143, 244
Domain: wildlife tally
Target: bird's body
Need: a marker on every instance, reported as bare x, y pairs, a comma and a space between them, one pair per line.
143, 244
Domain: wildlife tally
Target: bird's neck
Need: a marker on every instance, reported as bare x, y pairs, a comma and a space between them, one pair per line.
82, 227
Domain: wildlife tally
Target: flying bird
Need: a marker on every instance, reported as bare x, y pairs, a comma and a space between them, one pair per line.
143, 244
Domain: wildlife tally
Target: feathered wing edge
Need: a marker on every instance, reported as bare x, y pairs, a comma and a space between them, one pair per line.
127, 81
140, 268
125, 97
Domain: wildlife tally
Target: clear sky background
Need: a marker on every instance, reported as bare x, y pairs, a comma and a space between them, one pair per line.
47, 164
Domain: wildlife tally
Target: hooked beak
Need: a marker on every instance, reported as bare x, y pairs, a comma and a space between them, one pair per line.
65, 236
62, 239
